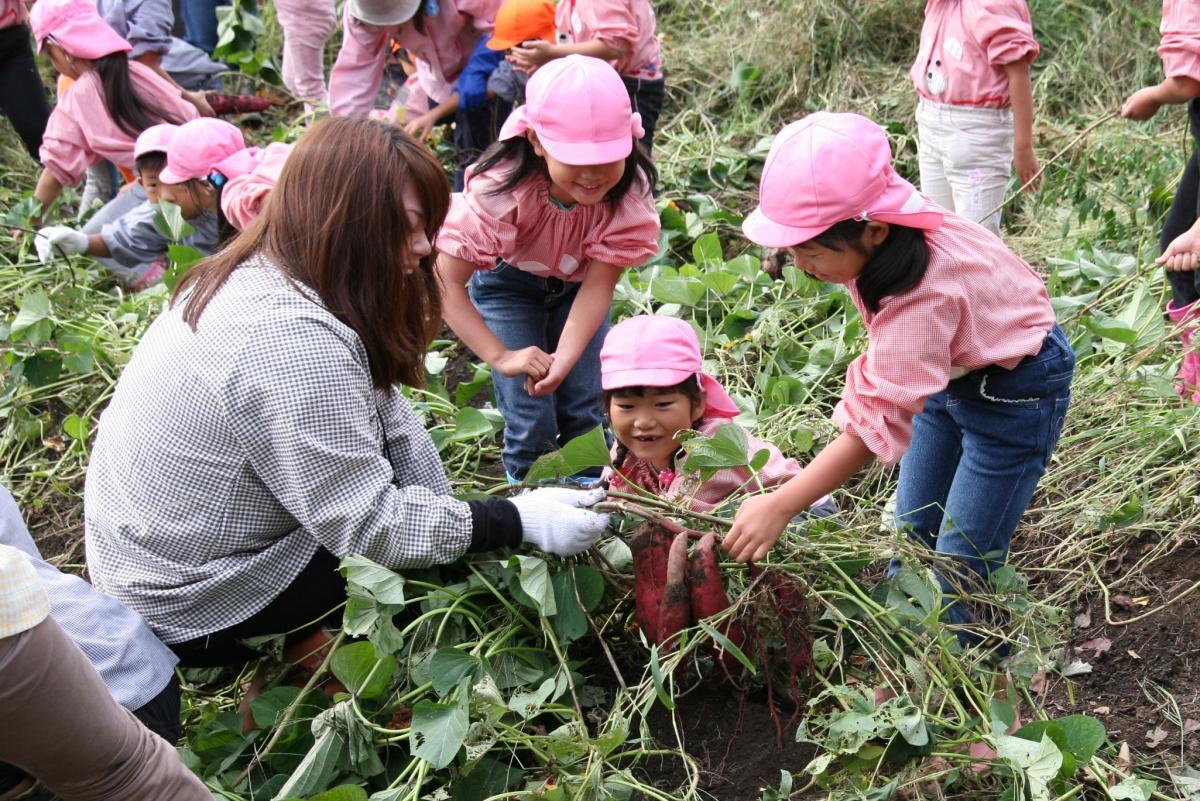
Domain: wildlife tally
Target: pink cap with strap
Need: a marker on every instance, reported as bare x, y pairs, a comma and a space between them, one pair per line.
827, 168
579, 109
76, 27
203, 145
659, 351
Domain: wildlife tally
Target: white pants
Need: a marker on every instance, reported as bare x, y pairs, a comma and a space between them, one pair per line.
965, 156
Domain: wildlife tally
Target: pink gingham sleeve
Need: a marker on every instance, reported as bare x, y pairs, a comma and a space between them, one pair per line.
481, 226
1004, 30
1180, 45
243, 197
907, 360
629, 236
612, 21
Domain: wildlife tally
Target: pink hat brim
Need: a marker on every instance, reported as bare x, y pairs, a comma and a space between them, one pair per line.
574, 153
762, 230
169, 176
643, 377
91, 38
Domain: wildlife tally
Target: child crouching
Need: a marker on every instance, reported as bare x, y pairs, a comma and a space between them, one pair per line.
651, 370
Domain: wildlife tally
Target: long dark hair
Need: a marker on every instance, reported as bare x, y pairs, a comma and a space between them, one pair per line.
337, 223
519, 150
897, 265
130, 111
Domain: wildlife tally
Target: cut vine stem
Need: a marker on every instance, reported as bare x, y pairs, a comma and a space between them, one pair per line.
628, 508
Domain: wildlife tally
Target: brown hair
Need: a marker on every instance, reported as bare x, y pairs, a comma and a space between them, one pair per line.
336, 222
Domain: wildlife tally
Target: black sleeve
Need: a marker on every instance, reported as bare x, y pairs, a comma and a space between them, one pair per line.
495, 523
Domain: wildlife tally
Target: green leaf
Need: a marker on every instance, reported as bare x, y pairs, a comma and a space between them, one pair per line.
685, 290
181, 259
438, 731
659, 686
268, 706
345, 792
319, 765
170, 222
719, 281
471, 424
449, 666
76, 427
585, 451
34, 322
1084, 736
725, 448
1040, 761
706, 250
744, 76
42, 368
1133, 789
534, 578
569, 621
527, 704
380, 583
364, 672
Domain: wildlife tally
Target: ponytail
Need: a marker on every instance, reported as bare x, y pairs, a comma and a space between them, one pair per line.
129, 110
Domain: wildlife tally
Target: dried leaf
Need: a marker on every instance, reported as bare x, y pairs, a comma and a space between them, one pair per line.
1083, 619
1190, 725
1076, 667
1133, 654
1097, 645
1102, 710
1122, 601
1037, 684
1155, 737
1124, 760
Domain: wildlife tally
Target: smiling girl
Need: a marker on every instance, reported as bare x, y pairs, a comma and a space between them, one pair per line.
655, 387
549, 218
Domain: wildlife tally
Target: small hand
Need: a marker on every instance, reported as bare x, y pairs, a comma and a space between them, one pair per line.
532, 361
1025, 160
529, 56
1183, 253
1142, 104
549, 383
198, 100
421, 126
756, 527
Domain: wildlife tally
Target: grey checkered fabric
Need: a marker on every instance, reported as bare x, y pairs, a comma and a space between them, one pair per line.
227, 456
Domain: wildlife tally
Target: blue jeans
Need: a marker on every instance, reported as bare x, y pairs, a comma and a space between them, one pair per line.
200, 22
524, 309
978, 450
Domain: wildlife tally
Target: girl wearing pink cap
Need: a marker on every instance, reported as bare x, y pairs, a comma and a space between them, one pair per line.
655, 386
550, 217
1180, 238
623, 33
966, 379
446, 41
975, 112
112, 101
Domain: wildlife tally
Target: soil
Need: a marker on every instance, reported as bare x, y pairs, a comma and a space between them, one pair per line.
1145, 687
733, 739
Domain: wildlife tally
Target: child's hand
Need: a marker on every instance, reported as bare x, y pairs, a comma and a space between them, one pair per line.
420, 127
1142, 104
549, 383
529, 56
1026, 162
532, 362
1182, 253
756, 527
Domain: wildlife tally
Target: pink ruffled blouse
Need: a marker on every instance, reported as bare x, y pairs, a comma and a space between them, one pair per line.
243, 198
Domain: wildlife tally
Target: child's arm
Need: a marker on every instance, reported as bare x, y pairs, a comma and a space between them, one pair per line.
420, 126
47, 191
464, 319
762, 518
1020, 89
588, 310
1145, 103
533, 54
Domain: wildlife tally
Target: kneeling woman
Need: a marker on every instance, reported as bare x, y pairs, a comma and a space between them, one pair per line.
256, 435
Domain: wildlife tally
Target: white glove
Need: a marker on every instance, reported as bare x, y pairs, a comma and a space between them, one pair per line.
557, 521
67, 240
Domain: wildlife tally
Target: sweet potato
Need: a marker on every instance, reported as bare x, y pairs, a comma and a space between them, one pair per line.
708, 597
651, 546
791, 609
222, 103
674, 604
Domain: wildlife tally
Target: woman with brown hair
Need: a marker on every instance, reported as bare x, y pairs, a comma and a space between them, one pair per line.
256, 436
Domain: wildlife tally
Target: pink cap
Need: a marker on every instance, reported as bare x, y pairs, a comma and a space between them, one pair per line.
580, 110
76, 27
827, 168
206, 144
655, 351
155, 139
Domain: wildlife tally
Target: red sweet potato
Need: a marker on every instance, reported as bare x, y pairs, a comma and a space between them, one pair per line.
791, 609
708, 597
651, 546
674, 604
222, 103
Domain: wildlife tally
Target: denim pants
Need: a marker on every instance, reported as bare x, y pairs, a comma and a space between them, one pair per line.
978, 450
524, 309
